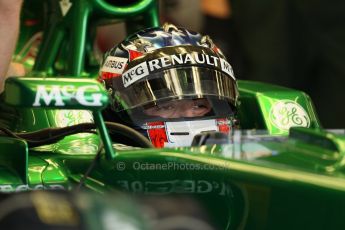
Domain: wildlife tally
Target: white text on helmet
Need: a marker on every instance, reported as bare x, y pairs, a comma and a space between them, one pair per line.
137, 72
183, 59
134, 74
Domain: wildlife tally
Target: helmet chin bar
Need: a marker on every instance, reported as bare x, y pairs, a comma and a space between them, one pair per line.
181, 133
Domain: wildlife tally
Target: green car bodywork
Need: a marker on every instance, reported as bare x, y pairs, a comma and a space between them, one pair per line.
280, 178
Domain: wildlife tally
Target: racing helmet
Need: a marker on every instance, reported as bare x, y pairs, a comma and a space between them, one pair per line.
170, 83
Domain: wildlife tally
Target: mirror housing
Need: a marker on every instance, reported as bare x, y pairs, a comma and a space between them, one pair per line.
62, 93
58, 93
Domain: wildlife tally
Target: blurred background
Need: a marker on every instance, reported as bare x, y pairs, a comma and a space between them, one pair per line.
293, 43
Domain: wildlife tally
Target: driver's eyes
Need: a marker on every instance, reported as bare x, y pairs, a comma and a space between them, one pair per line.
200, 106
165, 107
168, 107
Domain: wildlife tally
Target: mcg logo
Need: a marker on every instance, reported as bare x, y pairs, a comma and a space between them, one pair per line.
56, 95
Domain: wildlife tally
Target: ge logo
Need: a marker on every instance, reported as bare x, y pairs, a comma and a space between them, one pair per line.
65, 118
285, 114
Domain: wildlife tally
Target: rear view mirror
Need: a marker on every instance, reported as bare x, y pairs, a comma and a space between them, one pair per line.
61, 93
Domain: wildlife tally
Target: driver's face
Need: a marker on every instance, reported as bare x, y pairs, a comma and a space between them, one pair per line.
180, 108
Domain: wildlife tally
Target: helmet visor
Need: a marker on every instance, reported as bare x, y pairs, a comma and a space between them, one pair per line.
177, 83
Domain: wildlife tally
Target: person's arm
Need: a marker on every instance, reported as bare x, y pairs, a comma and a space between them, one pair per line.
216, 8
9, 29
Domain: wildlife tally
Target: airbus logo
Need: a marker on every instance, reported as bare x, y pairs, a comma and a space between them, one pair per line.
54, 95
114, 65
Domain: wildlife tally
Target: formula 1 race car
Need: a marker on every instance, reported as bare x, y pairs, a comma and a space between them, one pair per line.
278, 170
